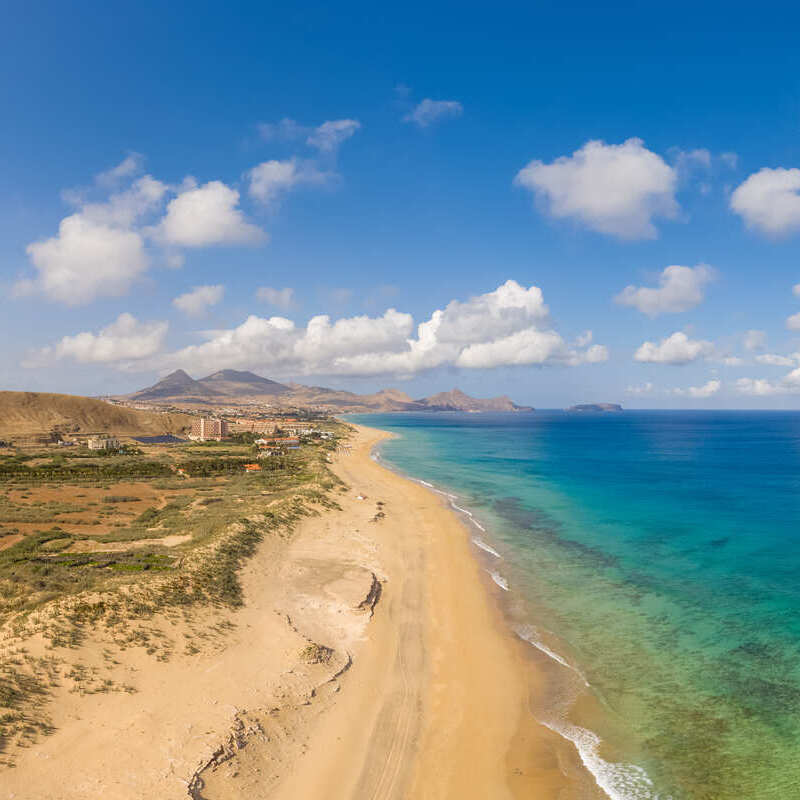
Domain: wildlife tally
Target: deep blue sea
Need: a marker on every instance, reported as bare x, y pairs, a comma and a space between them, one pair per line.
652, 559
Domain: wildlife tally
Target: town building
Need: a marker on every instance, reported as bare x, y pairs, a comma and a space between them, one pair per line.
208, 428
263, 426
103, 443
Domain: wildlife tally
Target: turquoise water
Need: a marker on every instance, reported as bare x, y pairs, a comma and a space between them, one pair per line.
656, 557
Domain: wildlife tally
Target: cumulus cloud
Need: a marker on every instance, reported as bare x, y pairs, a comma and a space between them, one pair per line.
270, 179
793, 322
796, 290
679, 289
615, 189
701, 392
207, 215
85, 260
769, 201
428, 112
731, 361
675, 349
199, 300
757, 386
106, 245
98, 251
761, 387
280, 298
508, 326
124, 340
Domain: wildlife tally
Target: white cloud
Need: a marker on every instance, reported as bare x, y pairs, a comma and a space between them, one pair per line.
614, 189
199, 300
124, 340
731, 361
756, 386
529, 346
130, 165
207, 215
330, 135
769, 200
788, 384
124, 209
642, 388
270, 179
774, 360
680, 289
796, 290
98, 251
754, 340
85, 260
700, 392
280, 298
508, 326
793, 322
327, 137
675, 349
430, 111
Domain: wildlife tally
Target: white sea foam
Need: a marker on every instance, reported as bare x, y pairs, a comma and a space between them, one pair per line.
478, 542
618, 781
530, 635
499, 579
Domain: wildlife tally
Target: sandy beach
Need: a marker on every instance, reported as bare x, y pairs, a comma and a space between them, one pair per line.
370, 660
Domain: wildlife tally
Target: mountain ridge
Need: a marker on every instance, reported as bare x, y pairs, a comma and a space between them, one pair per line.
227, 385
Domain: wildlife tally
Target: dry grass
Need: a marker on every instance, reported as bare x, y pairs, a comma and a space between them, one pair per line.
127, 596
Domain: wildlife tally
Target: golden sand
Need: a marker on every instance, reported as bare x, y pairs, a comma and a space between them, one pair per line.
369, 661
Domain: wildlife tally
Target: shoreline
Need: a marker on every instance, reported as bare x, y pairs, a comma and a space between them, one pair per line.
370, 660
534, 658
551, 674
466, 728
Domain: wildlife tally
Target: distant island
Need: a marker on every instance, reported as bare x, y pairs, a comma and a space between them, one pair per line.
229, 387
601, 407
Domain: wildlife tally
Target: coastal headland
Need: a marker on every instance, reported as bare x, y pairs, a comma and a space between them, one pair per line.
367, 659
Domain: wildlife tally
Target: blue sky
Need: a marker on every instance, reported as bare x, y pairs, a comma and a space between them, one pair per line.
428, 155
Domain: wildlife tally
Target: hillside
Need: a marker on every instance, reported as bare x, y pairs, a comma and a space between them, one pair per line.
176, 384
28, 413
456, 400
226, 383
228, 386
234, 383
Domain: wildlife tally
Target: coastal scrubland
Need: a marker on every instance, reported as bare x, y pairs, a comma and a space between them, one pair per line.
120, 547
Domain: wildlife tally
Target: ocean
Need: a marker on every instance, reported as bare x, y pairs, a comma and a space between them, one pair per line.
652, 560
